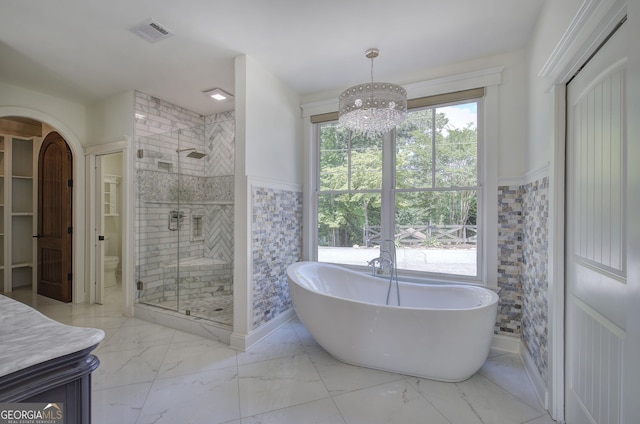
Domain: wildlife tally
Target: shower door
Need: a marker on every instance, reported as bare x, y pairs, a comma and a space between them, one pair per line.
182, 260
157, 238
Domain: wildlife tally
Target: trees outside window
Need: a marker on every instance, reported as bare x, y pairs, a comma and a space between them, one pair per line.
423, 191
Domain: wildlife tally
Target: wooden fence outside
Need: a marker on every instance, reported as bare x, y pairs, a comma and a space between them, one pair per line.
428, 235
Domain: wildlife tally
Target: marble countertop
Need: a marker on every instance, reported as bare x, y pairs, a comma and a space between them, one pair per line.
28, 338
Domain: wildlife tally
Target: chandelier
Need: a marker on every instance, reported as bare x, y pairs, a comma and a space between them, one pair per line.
372, 108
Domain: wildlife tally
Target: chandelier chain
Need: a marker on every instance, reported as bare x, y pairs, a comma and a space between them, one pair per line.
372, 70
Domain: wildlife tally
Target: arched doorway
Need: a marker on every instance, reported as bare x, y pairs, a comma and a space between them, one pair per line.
55, 229
50, 123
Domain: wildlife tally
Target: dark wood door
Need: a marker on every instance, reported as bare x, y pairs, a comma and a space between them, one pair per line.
54, 218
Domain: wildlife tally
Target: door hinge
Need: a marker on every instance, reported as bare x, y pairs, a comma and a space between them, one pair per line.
69, 230
69, 277
69, 183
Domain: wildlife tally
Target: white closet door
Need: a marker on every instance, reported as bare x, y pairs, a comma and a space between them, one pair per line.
596, 244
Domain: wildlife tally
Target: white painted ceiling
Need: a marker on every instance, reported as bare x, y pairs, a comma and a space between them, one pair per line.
83, 50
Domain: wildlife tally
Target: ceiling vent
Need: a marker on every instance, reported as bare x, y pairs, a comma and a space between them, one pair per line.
151, 31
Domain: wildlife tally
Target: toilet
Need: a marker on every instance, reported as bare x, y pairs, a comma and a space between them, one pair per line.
110, 266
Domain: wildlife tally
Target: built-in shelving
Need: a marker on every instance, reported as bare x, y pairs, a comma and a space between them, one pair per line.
111, 195
17, 197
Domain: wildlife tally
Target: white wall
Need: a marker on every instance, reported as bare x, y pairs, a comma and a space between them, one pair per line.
111, 119
554, 20
269, 150
73, 115
272, 125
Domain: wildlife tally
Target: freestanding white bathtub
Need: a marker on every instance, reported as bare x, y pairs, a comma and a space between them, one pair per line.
441, 332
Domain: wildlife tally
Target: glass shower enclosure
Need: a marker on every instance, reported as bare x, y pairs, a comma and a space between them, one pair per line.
184, 221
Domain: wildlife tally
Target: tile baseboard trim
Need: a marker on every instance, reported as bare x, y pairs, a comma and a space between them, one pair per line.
506, 343
244, 342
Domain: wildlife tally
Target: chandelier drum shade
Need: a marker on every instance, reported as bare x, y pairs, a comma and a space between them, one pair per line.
372, 108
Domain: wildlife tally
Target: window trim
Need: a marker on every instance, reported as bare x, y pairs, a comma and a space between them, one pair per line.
388, 190
490, 78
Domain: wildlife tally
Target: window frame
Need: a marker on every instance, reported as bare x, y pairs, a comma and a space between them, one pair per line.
388, 190
490, 79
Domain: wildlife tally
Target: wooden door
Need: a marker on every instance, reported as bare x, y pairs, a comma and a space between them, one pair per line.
596, 243
54, 218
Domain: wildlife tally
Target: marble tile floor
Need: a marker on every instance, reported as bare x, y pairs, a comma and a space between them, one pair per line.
153, 374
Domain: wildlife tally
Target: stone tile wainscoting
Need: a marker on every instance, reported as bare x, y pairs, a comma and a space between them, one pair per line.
509, 321
523, 212
535, 201
276, 237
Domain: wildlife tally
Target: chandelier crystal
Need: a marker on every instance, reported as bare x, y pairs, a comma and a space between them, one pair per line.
373, 108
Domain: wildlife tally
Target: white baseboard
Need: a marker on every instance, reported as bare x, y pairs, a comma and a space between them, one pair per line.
506, 343
531, 369
244, 342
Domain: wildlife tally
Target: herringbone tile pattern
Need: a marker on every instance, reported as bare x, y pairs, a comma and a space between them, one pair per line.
220, 148
218, 232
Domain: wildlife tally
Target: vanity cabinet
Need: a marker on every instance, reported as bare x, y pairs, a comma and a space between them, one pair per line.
43, 361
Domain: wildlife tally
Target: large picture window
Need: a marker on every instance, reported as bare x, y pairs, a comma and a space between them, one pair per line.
419, 185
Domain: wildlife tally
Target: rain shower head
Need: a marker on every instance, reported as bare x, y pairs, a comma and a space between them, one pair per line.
193, 153
196, 155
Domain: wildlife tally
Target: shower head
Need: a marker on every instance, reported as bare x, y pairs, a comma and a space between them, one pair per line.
193, 153
196, 155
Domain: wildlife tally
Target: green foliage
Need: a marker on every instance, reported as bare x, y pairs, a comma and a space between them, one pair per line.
351, 178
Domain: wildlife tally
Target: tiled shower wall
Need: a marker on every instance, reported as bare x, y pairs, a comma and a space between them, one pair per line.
154, 116
276, 237
523, 213
205, 188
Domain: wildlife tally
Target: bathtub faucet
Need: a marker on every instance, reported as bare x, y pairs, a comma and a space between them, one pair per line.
387, 261
380, 265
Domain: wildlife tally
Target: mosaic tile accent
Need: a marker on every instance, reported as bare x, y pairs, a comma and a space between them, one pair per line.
160, 186
535, 272
509, 320
523, 213
276, 236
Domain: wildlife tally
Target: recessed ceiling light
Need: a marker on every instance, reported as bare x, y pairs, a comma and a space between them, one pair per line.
218, 94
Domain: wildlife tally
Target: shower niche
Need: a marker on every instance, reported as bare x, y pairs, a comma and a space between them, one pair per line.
184, 225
